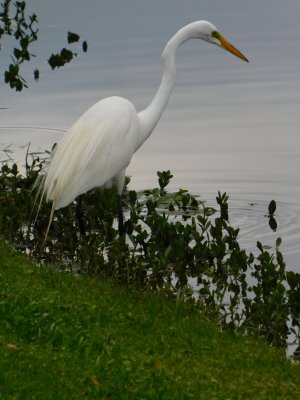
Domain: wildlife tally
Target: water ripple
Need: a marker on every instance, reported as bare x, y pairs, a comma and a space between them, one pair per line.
253, 220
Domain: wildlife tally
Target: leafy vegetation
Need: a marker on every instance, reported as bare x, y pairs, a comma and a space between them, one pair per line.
175, 244
65, 56
16, 24
73, 336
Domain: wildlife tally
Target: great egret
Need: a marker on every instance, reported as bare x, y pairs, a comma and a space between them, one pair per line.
97, 149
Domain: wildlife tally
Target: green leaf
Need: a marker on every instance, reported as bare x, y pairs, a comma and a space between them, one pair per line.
59, 60
278, 242
267, 247
67, 55
55, 61
259, 246
84, 46
73, 37
36, 74
272, 207
17, 53
24, 42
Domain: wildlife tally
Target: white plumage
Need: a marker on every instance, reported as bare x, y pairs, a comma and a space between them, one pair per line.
93, 151
97, 149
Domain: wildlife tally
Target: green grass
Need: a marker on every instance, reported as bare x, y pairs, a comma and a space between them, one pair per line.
68, 337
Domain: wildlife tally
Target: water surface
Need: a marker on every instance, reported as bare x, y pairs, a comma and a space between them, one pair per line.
229, 126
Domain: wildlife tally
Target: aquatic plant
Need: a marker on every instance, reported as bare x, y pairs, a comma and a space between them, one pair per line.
175, 244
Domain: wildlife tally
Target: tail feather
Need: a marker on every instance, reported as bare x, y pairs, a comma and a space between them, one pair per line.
42, 193
49, 223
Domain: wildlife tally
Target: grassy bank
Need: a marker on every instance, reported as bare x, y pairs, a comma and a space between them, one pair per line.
68, 337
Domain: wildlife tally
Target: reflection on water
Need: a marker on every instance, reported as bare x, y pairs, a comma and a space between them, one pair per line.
256, 224
15, 141
229, 126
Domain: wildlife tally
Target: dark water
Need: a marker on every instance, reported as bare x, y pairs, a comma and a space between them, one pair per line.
229, 126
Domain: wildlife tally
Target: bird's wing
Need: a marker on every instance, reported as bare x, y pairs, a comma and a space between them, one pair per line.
98, 146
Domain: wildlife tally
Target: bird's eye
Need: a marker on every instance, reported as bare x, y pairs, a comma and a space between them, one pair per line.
215, 34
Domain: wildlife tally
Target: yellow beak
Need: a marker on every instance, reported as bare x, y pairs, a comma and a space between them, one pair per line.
225, 44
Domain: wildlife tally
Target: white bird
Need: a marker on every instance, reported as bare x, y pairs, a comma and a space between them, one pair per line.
97, 149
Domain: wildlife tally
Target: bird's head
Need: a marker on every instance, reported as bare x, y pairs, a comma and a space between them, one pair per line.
207, 31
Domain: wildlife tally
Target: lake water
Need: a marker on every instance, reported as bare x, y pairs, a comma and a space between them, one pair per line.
229, 126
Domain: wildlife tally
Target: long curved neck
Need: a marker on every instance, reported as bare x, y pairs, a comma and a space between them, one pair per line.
151, 115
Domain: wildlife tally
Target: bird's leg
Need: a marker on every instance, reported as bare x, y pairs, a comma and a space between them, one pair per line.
120, 215
80, 215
